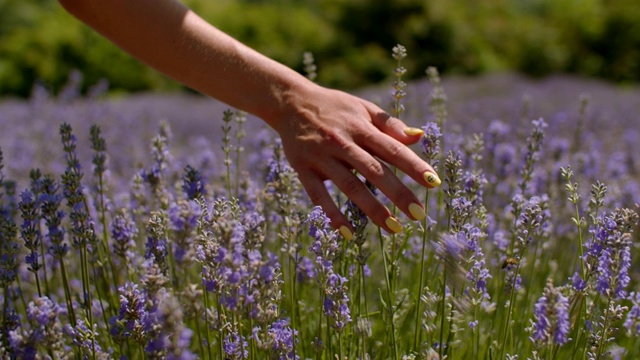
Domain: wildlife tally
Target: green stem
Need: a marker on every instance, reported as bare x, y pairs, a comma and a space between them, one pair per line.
206, 323
442, 316
512, 297
418, 328
605, 326
366, 309
319, 335
390, 297
67, 293
44, 269
86, 285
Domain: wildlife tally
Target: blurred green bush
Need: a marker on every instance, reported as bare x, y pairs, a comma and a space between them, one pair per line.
351, 39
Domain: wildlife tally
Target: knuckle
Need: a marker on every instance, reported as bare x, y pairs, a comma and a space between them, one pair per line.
374, 170
403, 194
333, 138
352, 186
394, 149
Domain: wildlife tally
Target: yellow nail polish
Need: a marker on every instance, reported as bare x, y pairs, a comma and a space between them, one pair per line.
393, 225
432, 179
416, 211
411, 131
346, 233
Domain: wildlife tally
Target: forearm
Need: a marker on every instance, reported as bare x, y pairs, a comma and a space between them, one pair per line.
172, 39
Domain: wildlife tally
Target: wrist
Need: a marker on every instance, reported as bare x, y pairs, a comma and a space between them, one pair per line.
287, 99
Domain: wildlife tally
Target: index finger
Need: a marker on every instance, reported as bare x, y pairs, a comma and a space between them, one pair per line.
397, 154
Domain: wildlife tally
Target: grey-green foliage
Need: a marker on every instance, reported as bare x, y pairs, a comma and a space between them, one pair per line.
350, 39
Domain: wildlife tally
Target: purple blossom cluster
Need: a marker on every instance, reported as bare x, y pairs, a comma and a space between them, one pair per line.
551, 318
463, 254
327, 250
202, 251
608, 254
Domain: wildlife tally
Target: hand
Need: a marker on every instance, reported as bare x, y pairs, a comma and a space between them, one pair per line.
325, 133
328, 133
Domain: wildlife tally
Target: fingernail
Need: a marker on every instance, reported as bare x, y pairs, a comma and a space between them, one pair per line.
411, 131
346, 233
416, 211
432, 179
393, 225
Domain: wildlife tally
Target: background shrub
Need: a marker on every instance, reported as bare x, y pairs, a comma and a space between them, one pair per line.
39, 41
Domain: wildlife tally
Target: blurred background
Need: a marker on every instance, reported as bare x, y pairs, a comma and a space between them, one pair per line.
351, 40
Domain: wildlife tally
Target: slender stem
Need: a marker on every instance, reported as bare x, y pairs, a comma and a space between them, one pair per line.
5, 309
44, 269
512, 298
206, 323
198, 334
67, 292
35, 273
319, 334
366, 308
442, 317
86, 285
102, 309
391, 298
292, 291
220, 337
605, 330
418, 328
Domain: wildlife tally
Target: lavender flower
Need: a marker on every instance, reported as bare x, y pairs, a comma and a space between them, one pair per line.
85, 338
464, 259
607, 255
632, 321
279, 339
192, 183
497, 130
30, 229
157, 242
9, 250
123, 232
305, 269
184, 216
245, 279
50, 203
236, 347
534, 143
47, 331
431, 142
164, 323
551, 318
473, 186
578, 283
326, 249
81, 229
129, 322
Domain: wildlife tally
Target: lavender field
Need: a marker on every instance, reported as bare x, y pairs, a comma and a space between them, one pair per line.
167, 226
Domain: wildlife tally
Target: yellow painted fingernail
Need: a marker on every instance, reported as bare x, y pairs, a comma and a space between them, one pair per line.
411, 131
416, 211
393, 225
346, 233
432, 179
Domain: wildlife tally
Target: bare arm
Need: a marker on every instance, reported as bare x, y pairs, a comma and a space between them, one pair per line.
325, 133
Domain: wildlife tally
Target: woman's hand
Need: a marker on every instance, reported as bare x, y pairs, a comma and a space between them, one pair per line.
328, 133
325, 133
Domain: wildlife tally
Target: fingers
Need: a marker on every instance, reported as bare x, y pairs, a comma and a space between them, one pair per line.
386, 181
357, 191
389, 145
394, 127
319, 195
